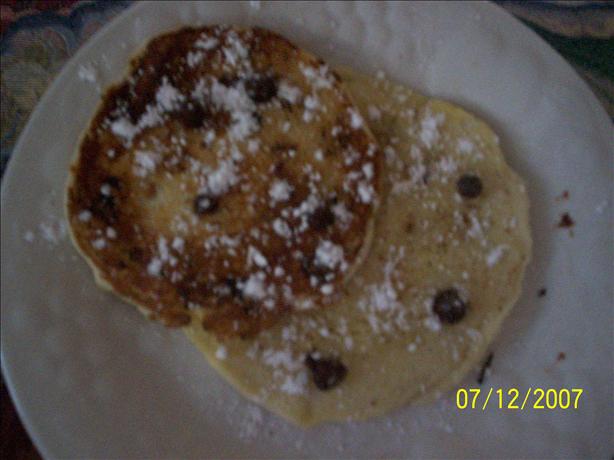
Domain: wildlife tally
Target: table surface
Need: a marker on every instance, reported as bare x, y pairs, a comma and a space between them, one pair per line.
39, 36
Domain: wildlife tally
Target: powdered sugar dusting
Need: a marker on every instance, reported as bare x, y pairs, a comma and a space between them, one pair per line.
330, 255
495, 255
429, 124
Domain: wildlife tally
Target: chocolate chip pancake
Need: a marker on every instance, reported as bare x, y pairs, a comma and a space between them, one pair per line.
228, 177
451, 244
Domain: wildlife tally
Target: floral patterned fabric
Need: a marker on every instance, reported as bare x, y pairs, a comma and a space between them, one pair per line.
38, 37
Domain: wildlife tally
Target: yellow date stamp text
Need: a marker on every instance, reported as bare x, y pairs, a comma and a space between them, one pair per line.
515, 399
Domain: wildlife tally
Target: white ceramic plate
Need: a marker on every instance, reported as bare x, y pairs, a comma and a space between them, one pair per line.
91, 378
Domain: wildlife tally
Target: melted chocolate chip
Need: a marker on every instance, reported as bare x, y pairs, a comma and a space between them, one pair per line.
121, 265
114, 182
469, 186
327, 373
278, 169
205, 204
449, 306
233, 289
136, 254
229, 80
193, 117
104, 205
261, 89
322, 218
258, 118
344, 139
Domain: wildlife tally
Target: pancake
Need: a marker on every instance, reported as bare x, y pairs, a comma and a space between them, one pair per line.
451, 244
229, 177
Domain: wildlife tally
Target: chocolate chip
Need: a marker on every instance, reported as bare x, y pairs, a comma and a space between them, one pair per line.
114, 182
261, 89
231, 285
322, 218
542, 292
258, 118
193, 117
278, 169
205, 203
104, 205
327, 373
449, 306
229, 80
136, 254
469, 186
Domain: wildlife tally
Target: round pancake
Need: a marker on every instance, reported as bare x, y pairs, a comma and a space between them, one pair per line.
451, 244
228, 174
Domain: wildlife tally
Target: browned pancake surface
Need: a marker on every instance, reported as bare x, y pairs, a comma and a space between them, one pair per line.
230, 172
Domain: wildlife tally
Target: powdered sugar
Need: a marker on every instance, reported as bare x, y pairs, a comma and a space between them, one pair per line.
254, 256
282, 228
429, 124
330, 255
239, 105
356, 121
465, 146
145, 162
288, 92
84, 216
495, 255
220, 180
28, 236
122, 128
221, 353
167, 96
99, 243
53, 230
366, 192
288, 370
381, 302
88, 73
280, 190
254, 287
319, 77
154, 267
207, 43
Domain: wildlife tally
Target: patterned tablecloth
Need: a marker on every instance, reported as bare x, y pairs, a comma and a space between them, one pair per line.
39, 36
